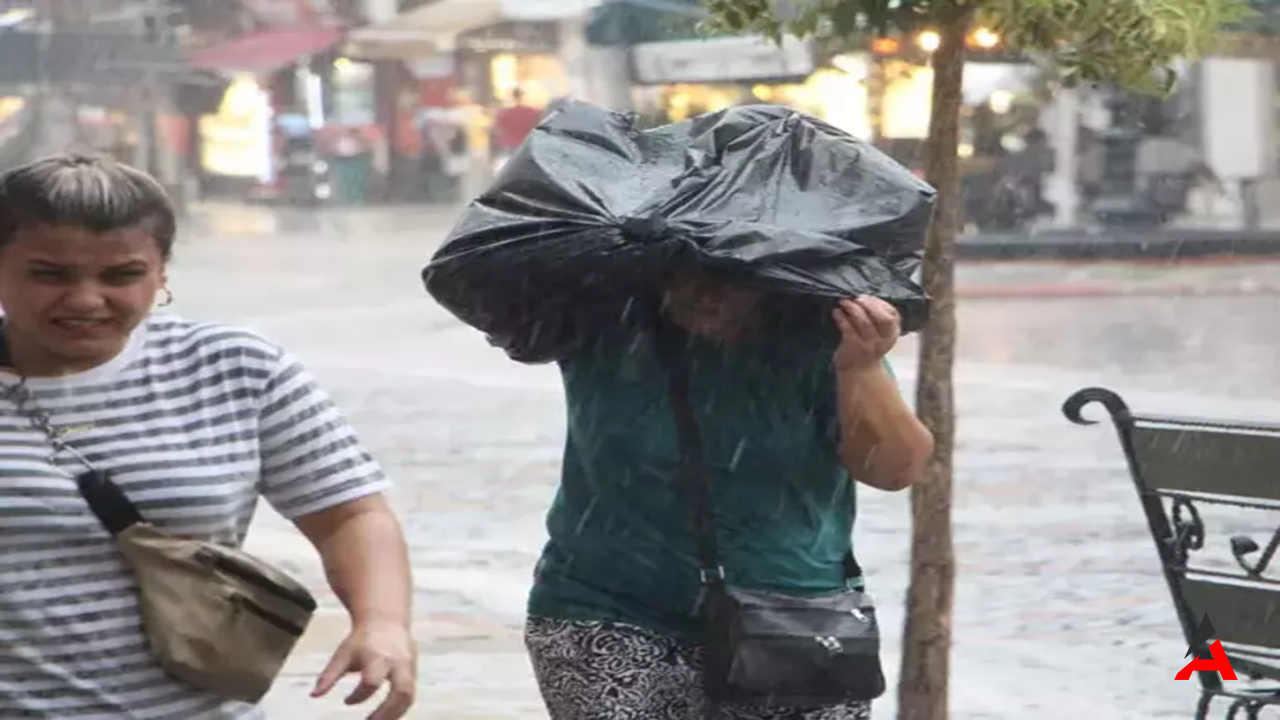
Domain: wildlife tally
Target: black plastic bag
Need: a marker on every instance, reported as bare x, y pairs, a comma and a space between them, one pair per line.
592, 212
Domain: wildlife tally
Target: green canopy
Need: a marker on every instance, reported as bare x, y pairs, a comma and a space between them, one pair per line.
630, 22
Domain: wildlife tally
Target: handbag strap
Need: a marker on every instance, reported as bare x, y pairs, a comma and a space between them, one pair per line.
693, 467
106, 499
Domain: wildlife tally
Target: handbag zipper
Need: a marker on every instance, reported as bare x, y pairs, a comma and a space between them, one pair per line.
261, 582
265, 614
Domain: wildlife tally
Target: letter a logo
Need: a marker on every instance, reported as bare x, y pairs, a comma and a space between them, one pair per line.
1219, 662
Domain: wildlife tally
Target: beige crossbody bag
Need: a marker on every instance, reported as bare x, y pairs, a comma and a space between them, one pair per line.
215, 616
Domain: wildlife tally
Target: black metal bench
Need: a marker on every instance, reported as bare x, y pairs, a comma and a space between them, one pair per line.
1181, 467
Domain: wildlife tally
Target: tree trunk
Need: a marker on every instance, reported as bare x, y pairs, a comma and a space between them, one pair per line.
926, 651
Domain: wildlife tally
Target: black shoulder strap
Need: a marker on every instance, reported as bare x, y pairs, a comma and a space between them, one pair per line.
693, 467
108, 502
6, 357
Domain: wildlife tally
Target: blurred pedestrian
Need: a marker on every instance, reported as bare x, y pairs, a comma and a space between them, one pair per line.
191, 423
615, 627
512, 124
1168, 167
446, 155
351, 160
298, 155
1033, 164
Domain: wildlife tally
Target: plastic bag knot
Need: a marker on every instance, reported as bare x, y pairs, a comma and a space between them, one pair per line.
649, 230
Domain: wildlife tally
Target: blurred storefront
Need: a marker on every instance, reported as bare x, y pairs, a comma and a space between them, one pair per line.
109, 131
671, 71
283, 69
352, 97
19, 123
502, 58
476, 32
486, 47
678, 79
85, 69
464, 59
235, 141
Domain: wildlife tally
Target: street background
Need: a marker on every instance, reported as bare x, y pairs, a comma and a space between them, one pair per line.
318, 150
1061, 612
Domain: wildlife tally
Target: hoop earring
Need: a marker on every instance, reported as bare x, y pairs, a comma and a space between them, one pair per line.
168, 297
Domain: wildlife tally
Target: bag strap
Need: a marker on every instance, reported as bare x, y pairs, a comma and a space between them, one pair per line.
108, 502
693, 468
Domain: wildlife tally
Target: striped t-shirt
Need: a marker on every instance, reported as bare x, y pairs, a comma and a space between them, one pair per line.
195, 422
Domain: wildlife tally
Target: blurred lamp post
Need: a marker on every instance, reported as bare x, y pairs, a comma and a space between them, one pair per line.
159, 159
1062, 125
151, 98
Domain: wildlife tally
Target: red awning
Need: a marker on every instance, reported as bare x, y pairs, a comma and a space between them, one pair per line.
265, 51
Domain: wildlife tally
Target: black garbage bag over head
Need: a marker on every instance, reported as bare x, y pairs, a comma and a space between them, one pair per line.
593, 212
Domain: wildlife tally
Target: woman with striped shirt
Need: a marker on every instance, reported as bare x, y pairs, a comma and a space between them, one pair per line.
194, 422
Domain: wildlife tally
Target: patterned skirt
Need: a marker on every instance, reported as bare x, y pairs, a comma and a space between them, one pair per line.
609, 671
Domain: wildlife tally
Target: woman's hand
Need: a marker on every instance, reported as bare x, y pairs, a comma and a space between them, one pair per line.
367, 563
882, 443
381, 653
869, 329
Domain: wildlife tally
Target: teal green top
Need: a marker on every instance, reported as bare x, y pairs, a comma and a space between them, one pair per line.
621, 542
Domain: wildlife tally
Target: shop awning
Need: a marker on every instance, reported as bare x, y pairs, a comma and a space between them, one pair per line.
434, 28
427, 30
265, 51
632, 22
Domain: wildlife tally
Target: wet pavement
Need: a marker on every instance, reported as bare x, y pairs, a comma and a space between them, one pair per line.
1061, 610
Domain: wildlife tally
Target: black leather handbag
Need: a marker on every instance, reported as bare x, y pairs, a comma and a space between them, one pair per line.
762, 648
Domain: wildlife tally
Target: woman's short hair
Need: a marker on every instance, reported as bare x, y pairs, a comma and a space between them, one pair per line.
87, 191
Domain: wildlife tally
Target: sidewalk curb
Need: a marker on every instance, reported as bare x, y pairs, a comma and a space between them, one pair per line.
1169, 244
1086, 290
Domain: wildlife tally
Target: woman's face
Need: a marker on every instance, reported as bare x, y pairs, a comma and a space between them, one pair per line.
71, 297
712, 308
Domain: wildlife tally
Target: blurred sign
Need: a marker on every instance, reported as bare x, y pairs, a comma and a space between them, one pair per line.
727, 59
1236, 98
886, 46
529, 37
441, 66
